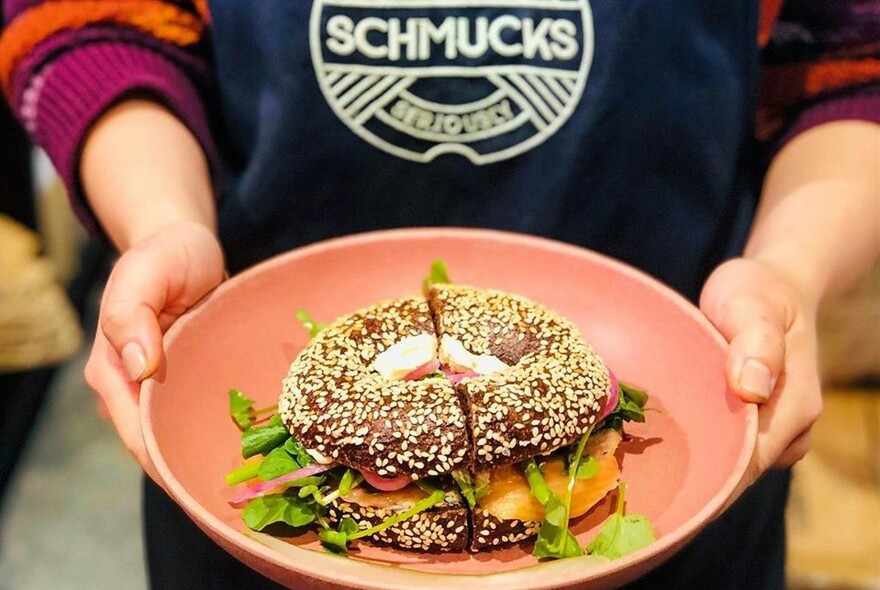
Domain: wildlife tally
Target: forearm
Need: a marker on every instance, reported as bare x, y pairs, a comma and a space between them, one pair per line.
141, 170
819, 217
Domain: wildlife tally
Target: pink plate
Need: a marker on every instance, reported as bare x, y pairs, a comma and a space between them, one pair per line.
681, 468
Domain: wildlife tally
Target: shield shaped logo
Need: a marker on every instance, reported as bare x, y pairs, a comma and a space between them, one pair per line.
485, 79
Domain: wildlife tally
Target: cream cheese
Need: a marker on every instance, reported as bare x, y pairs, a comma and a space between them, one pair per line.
461, 360
406, 356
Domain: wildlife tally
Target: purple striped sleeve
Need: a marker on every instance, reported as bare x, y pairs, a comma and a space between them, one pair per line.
70, 79
859, 104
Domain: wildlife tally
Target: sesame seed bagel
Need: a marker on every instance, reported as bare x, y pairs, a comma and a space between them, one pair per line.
363, 394
334, 403
491, 531
553, 390
441, 528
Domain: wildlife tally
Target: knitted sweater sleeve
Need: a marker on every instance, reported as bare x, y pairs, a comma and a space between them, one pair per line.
821, 63
64, 62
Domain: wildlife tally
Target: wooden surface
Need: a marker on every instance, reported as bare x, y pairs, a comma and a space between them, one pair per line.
834, 510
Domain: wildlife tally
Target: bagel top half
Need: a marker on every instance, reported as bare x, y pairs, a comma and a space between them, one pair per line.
532, 384
336, 403
553, 388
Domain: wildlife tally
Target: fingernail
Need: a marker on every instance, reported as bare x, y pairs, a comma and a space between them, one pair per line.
134, 360
755, 378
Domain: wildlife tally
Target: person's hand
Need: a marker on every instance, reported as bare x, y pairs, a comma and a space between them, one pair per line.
151, 285
772, 358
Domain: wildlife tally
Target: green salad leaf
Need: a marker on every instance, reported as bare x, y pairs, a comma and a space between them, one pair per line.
586, 468
347, 482
438, 275
539, 487
554, 538
241, 408
466, 484
260, 440
287, 508
336, 540
298, 452
622, 535
308, 490
311, 326
630, 408
277, 463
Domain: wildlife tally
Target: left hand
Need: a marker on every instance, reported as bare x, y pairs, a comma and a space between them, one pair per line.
772, 359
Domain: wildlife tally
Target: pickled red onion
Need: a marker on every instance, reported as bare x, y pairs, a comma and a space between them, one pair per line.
456, 378
613, 396
386, 484
263, 488
419, 372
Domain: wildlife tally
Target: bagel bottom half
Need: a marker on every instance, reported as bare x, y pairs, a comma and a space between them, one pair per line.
443, 527
508, 514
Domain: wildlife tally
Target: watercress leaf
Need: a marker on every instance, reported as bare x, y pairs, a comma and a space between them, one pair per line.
481, 484
463, 478
545, 548
260, 440
241, 408
554, 539
630, 408
622, 535
587, 468
287, 508
347, 481
277, 463
637, 396
606, 539
348, 526
307, 490
438, 275
630, 411
298, 452
612, 421
556, 514
311, 326
538, 486
334, 541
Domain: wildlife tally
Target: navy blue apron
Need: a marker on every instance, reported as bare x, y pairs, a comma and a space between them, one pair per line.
621, 125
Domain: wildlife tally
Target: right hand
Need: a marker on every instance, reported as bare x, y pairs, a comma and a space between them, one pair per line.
152, 284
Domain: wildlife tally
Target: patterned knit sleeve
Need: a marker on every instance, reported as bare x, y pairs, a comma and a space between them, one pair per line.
821, 63
64, 62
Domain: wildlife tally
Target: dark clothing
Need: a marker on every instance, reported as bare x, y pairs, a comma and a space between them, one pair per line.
745, 548
651, 166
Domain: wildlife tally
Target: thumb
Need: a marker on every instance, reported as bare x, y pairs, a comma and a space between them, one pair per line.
755, 326
129, 316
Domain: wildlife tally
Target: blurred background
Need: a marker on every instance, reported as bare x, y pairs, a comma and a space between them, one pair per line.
69, 494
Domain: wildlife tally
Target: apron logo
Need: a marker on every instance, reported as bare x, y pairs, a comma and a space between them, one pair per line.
485, 79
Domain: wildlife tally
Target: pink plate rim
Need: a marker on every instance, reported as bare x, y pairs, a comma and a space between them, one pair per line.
357, 573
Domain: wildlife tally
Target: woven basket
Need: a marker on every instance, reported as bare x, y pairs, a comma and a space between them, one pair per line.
38, 325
